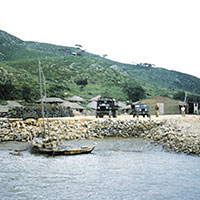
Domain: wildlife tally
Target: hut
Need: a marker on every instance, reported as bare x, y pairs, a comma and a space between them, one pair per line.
73, 106
121, 105
51, 100
75, 99
3, 110
13, 104
95, 98
92, 105
126, 109
6, 109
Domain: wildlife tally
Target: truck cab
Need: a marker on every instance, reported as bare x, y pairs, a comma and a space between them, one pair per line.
140, 109
106, 106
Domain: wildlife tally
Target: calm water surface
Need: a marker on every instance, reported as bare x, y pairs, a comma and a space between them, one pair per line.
118, 169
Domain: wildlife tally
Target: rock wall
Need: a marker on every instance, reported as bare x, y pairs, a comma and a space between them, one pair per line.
35, 112
166, 133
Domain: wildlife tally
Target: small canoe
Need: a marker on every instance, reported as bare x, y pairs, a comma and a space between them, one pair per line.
56, 152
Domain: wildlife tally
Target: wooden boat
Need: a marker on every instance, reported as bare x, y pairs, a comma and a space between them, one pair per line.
56, 152
47, 144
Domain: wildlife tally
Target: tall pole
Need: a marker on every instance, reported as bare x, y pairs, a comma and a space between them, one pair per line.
185, 97
41, 93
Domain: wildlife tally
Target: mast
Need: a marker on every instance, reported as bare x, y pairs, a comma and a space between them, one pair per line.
41, 77
185, 97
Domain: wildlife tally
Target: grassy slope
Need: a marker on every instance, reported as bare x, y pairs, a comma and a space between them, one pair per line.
66, 74
165, 78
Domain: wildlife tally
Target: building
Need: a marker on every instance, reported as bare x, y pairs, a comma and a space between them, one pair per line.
193, 108
95, 98
92, 105
51, 100
3, 110
76, 99
166, 105
73, 106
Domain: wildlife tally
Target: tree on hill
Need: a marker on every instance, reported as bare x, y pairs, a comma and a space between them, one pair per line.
26, 92
134, 91
179, 96
7, 91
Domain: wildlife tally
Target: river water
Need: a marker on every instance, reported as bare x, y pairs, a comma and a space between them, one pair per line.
118, 169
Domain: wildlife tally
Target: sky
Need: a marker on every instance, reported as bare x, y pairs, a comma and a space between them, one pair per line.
161, 32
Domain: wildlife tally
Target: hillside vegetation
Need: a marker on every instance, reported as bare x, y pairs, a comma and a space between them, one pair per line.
65, 77
73, 71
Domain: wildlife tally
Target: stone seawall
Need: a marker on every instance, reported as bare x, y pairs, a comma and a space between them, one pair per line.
167, 133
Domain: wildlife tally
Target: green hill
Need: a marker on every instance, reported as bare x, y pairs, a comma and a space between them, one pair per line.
73, 71
67, 76
163, 78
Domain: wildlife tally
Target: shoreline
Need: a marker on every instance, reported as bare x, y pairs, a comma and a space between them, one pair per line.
173, 132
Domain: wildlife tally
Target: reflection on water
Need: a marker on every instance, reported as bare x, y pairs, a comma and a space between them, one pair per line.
117, 169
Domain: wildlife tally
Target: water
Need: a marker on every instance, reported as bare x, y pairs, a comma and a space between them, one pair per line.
118, 169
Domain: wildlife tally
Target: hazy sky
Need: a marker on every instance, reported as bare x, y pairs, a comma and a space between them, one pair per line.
161, 32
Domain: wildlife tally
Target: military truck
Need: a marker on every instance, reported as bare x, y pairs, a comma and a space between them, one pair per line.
106, 106
140, 109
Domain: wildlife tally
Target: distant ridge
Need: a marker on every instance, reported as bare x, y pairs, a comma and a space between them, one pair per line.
73, 71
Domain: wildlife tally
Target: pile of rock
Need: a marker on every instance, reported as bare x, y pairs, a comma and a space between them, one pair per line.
176, 138
167, 133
